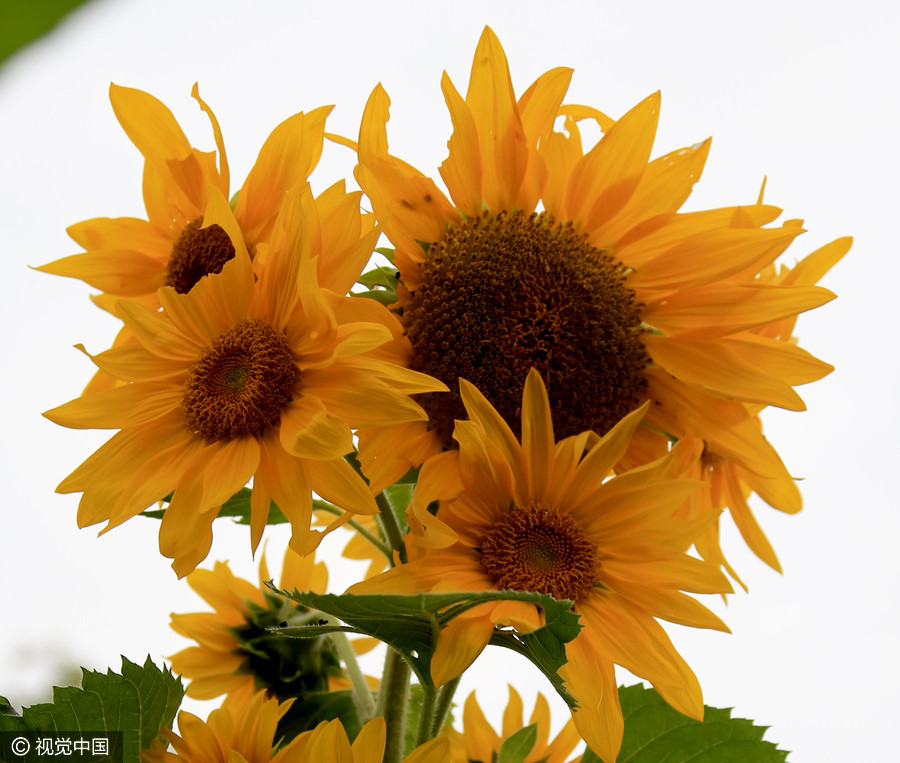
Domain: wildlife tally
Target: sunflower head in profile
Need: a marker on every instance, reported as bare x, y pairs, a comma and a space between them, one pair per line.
537, 514
238, 650
576, 260
257, 372
235, 653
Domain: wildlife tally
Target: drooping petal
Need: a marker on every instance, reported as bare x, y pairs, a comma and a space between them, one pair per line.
459, 643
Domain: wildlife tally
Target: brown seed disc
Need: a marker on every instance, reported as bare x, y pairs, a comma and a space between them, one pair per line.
240, 383
197, 252
535, 548
503, 293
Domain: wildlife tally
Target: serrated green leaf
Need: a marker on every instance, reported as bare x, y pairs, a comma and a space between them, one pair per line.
657, 733
6, 708
410, 623
518, 746
139, 702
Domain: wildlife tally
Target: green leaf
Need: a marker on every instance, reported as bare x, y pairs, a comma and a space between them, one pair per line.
5, 707
380, 282
139, 702
386, 252
237, 507
24, 22
657, 733
411, 622
518, 746
399, 497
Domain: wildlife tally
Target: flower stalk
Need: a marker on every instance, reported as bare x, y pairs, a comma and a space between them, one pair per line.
393, 698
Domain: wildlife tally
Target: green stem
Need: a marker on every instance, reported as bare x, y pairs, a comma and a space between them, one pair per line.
442, 707
391, 526
369, 536
362, 697
426, 715
393, 697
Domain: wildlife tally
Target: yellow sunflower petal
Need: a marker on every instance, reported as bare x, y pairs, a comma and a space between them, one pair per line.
719, 368
512, 714
482, 412
664, 187
223, 175
459, 643
149, 124
461, 170
124, 272
491, 99
433, 751
590, 677
539, 106
713, 256
368, 747
606, 177
338, 483
309, 430
537, 435
289, 155
639, 644
480, 738
717, 311
749, 528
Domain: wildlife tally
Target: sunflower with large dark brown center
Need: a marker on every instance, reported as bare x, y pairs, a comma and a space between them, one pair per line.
504, 293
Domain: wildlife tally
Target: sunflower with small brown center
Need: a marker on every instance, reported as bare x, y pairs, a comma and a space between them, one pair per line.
131, 257
258, 372
541, 515
731, 482
577, 262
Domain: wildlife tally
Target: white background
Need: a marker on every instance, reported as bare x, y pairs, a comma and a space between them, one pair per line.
804, 92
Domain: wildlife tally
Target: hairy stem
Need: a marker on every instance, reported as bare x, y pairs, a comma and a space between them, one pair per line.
393, 697
442, 706
362, 696
426, 715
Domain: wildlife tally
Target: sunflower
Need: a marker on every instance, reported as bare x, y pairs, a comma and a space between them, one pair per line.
131, 257
577, 262
228, 658
480, 742
247, 733
730, 483
259, 371
540, 515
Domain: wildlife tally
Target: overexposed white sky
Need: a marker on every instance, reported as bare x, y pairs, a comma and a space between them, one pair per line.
801, 91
